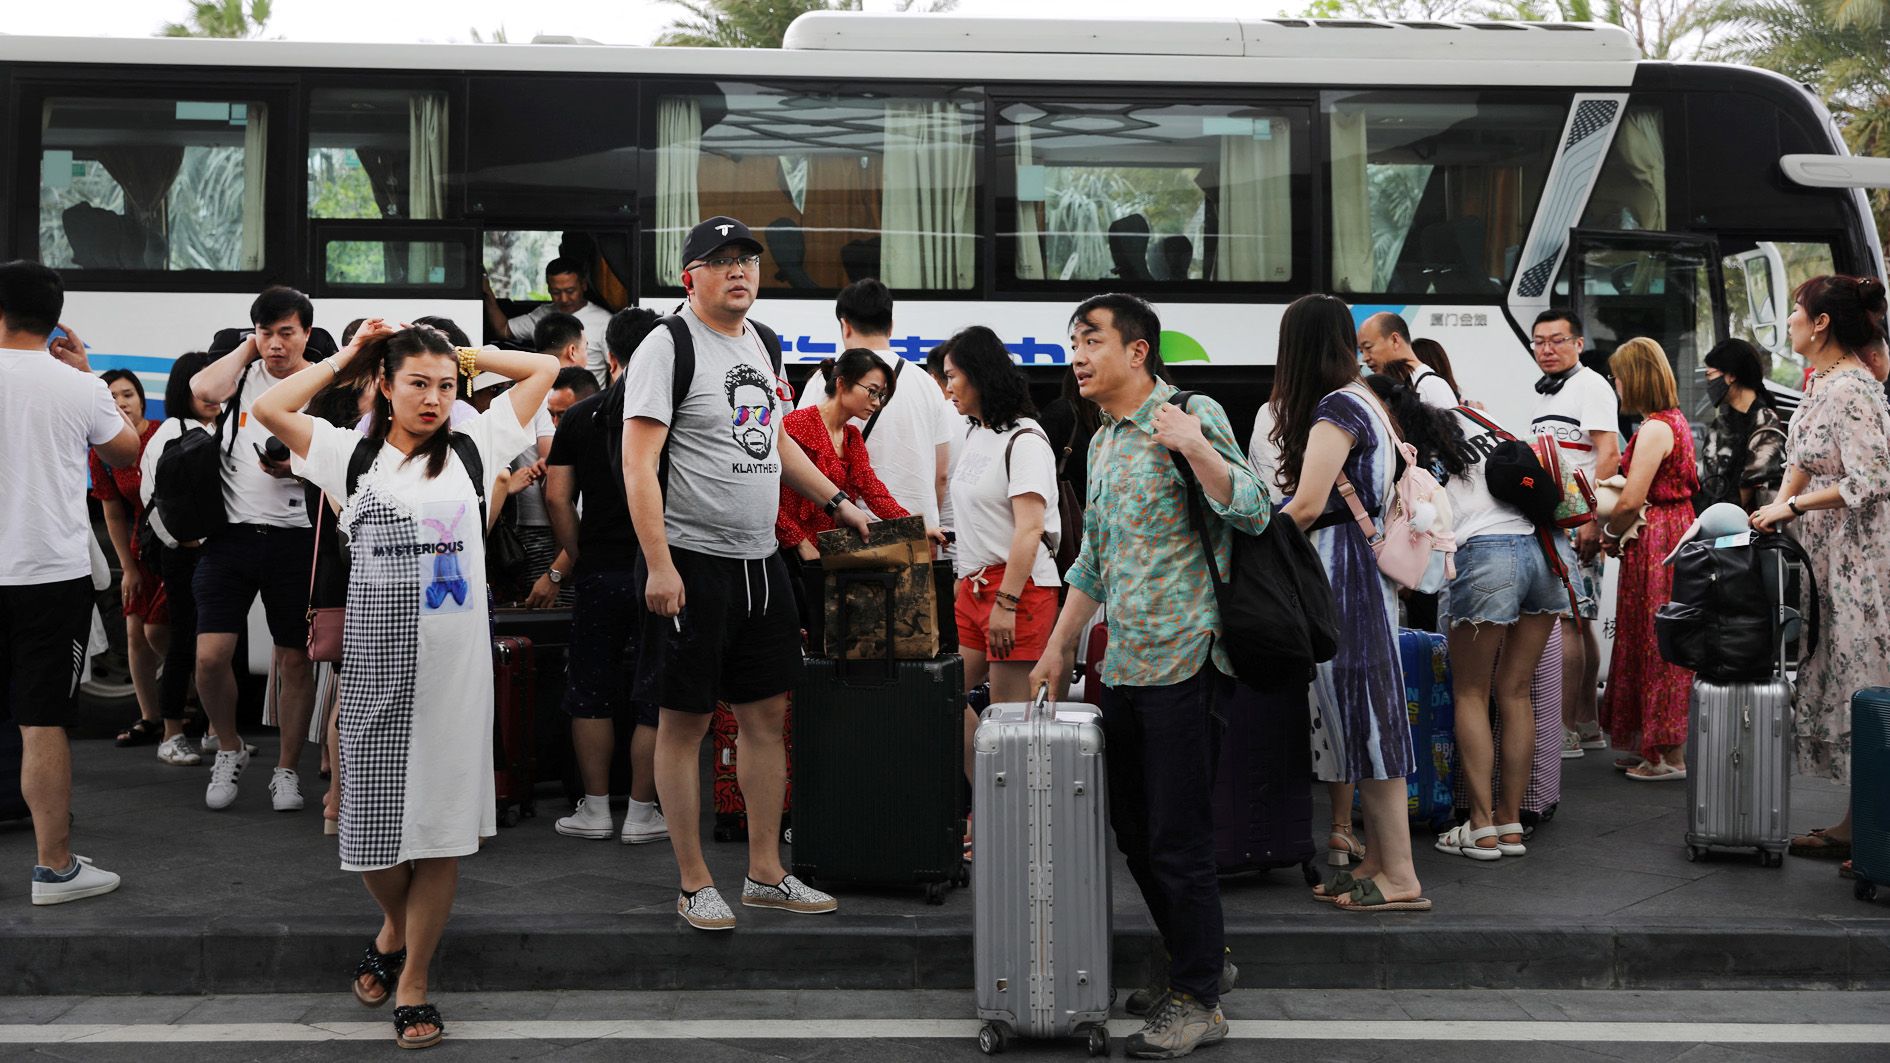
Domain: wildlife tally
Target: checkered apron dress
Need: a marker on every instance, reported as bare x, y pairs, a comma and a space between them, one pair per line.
380, 647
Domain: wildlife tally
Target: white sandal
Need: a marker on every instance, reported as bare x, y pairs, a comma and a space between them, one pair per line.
1462, 840
1509, 848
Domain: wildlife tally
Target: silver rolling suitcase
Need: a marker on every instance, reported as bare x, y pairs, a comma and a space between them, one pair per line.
1739, 758
1041, 944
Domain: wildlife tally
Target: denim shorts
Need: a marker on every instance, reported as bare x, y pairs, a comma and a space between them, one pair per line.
1501, 579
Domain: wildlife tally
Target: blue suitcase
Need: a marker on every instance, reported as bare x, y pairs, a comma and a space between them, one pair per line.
1432, 708
1870, 790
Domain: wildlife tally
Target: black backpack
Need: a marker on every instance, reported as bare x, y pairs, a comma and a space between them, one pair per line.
680, 380
1278, 618
188, 492
1727, 620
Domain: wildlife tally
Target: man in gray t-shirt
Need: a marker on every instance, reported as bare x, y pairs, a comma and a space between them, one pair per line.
721, 623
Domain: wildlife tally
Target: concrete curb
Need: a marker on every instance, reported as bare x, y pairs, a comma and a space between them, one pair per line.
656, 952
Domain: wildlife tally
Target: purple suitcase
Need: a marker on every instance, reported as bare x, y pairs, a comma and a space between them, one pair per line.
1263, 783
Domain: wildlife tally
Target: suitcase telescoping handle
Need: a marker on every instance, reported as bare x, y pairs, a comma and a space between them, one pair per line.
1041, 704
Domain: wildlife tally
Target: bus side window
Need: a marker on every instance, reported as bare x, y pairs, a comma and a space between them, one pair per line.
152, 184
1631, 190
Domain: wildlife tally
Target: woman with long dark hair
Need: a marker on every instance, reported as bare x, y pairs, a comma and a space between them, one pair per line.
1004, 484
1745, 446
1432, 354
416, 713
141, 590
176, 563
1326, 424
857, 383
1837, 491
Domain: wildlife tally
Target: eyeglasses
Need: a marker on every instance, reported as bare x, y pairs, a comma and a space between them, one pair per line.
728, 262
877, 393
1543, 343
761, 415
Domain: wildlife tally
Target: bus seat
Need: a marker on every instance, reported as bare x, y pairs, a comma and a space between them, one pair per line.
1173, 256
860, 258
104, 239
1453, 255
788, 247
1128, 247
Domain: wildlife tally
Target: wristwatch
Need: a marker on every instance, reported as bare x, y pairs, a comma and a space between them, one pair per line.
834, 503
1792, 504
556, 576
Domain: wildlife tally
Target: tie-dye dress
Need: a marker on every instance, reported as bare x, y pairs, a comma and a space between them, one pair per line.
1361, 728
415, 710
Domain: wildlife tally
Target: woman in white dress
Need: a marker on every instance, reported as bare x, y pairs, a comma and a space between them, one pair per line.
416, 692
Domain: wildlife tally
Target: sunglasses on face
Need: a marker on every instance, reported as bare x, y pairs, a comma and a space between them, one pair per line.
761, 415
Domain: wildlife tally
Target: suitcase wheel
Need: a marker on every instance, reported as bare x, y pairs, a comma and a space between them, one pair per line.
1768, 858
1865, 890
935, 893
508, 815
964, 876
1309, 873
1098, 1041
1694, 852
992, 1039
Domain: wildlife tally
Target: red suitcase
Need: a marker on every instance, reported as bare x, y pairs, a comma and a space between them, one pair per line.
731, 811
514, 698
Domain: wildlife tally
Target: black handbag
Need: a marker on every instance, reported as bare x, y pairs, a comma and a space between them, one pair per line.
1727, 618
508, 569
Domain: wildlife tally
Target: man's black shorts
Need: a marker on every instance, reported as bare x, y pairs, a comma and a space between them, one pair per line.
43, 631
737, 640
606, 612
244, 560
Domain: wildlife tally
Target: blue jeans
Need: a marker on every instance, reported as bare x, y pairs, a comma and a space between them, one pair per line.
1161, 746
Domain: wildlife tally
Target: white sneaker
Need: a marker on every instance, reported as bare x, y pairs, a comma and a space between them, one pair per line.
1572, 746
179, 751
644, 825
588, 820
84, 880
210, 744
224, 772
285, 787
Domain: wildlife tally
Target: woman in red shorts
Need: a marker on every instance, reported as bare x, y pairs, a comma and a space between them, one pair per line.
1004, 484
147, 623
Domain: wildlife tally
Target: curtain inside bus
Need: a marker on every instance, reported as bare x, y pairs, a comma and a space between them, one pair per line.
1631, 191
1353, 269
931, 171
1256, 208
1029, 209
678, 152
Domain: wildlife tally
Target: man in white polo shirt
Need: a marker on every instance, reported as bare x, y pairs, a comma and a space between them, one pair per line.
1384, 339
51, 409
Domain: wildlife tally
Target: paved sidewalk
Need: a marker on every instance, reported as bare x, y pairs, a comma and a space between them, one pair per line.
250, 900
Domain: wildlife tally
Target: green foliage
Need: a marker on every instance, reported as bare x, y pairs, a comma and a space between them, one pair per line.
221, 18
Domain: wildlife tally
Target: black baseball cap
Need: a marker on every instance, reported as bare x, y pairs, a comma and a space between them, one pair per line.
717, 232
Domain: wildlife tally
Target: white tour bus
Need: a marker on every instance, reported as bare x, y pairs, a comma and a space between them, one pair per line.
991, 171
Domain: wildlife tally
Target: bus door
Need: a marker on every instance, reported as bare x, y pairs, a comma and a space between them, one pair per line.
1664, 286
513, 253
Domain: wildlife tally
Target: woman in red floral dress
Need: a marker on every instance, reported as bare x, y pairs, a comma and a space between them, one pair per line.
1645, 707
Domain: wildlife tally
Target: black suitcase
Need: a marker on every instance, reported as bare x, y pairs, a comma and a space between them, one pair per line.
879, 773
1263, 783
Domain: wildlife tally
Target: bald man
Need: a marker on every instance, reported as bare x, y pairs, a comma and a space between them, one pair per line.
1385, 341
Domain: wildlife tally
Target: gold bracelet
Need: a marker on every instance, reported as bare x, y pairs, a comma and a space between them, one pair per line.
469, 361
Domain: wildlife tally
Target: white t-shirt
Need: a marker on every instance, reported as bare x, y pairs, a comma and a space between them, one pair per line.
1433, 389
1477, 512
250, 495
50, 415
531, 500
981, 498
595, 318
1262, 455
903, 448
1585, 404
724, 488
956, 427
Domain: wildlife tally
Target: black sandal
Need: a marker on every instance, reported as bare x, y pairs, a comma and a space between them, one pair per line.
408, 1015
142, 733
385, 967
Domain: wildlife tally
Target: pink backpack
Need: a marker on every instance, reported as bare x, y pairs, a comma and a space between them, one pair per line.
1417, 549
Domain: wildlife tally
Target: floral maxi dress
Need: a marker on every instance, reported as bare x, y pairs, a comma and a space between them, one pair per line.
1841, 435
1645, 707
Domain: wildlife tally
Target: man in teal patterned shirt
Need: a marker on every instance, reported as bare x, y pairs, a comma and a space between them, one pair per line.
1165, 670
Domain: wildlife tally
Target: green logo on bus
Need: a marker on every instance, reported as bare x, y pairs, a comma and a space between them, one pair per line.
1181, 347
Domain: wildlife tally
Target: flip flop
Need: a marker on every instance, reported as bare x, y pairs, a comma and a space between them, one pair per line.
1820, 845
1367, 897
1629, 763
1660, 773
1336, 887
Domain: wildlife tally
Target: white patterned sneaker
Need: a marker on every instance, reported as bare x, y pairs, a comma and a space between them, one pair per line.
1572, 745
179, 751
705, 909
642, 827
285, 790
587, 820
792, 895
224, 772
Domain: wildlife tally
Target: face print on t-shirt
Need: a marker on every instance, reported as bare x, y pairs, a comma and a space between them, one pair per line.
751, 416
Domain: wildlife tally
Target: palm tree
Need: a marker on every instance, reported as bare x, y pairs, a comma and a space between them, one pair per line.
757, 23
221, 18
1833, 45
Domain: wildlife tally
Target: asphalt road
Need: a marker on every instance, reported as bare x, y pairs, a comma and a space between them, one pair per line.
702, 1027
